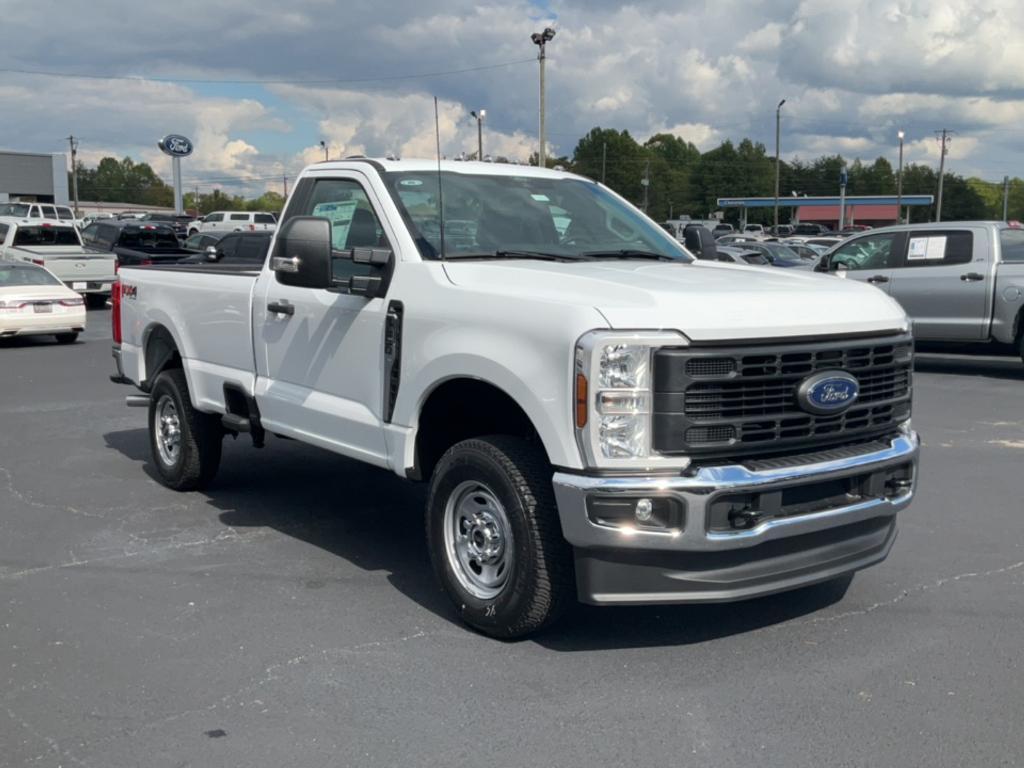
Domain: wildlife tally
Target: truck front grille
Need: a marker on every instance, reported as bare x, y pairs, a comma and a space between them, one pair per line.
744, 400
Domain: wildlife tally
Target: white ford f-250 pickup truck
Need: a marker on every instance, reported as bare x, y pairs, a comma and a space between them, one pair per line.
598, 414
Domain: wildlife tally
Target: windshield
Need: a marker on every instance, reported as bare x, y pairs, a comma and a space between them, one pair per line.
26, 275
782, 254
46, 236
484, 214
14, 209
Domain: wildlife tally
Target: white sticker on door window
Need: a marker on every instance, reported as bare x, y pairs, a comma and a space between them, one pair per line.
340, 215
936, 248
918, 248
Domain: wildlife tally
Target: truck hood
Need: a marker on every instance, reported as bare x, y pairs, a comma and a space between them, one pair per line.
704, 300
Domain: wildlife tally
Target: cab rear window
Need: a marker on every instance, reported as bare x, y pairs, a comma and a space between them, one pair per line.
29, 236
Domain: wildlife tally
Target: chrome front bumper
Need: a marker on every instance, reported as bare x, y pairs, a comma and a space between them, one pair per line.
701, 562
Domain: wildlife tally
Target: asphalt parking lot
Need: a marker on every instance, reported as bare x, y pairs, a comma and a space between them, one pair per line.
288, 615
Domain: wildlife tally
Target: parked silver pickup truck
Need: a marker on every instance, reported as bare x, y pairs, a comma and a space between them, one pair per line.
959, 281
59, 248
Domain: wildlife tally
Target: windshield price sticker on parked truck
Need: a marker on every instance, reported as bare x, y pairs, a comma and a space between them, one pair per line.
927, 248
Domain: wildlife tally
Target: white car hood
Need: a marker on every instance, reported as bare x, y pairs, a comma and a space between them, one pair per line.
706, 301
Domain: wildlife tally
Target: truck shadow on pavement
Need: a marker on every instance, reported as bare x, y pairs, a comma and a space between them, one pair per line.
374, 520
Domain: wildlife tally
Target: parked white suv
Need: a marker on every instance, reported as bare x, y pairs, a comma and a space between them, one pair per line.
47, 211
234, 221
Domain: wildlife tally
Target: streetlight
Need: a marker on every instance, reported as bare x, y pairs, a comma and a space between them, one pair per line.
479, 115
899, 181
323, 146
778, 122
540, 39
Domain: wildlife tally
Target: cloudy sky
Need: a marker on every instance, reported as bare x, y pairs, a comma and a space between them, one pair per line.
362, 75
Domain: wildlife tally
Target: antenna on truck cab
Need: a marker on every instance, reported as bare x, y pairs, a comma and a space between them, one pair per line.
440, 193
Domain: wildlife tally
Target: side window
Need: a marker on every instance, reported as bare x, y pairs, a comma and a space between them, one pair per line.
353, 221
65, 214
3, 233
239, 216
932, 248
1012, 242
34, 212
89, 233
265, 218
872, 252
227, 247
252, 250
49, 212
215, 217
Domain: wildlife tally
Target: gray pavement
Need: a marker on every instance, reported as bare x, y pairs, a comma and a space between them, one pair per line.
288, 616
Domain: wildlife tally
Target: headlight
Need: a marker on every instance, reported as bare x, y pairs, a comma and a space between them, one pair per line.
614, 397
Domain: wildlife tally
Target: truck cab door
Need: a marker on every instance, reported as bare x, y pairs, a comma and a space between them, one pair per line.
319, 353
944, 282
870, 259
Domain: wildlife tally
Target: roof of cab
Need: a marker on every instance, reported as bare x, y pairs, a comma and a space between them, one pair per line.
468, 167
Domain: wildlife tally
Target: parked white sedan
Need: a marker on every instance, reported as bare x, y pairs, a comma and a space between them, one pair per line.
34, 302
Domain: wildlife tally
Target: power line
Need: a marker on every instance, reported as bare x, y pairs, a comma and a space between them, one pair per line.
282, 81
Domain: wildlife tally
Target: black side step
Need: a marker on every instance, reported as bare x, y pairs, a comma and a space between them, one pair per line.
235, 423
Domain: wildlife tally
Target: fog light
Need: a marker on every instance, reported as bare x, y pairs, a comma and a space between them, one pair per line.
644, 511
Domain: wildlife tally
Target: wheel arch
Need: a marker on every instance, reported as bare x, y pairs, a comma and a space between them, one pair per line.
462, 407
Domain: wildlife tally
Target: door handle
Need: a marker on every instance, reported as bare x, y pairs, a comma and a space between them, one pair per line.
972, 277
878, 279
281, 308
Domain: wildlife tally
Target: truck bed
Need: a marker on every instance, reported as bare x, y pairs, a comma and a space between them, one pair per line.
208, 311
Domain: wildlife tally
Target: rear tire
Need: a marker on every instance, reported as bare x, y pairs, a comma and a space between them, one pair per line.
185, 443
96, 300
494, 536
67, 338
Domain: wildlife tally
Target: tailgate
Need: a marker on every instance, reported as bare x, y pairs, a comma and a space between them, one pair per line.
82, 267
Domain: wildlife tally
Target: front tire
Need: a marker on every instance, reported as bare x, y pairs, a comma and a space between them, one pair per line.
494, 536
66, 338
185, 443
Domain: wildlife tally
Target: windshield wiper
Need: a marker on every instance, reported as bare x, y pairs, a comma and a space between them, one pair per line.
503, 254
627, 253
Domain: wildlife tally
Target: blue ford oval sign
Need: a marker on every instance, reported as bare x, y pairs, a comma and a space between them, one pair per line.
175, 145
827, 392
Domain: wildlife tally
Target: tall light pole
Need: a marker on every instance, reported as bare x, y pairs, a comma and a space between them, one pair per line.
899, 182
540, 39
74, 171
778, 123
479, 115
323, 146
943, 150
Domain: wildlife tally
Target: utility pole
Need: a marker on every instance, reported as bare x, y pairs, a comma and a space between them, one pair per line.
479, 115
284, 182
1006, 197
74, 171
604, 159
778, 123
946, 135
899, 182
645, 182
323, 146
540, 39
195, 201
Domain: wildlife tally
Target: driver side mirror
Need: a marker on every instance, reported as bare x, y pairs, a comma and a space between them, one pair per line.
302, 253
701, 243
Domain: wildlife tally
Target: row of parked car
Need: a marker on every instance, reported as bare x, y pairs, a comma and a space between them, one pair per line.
50, 270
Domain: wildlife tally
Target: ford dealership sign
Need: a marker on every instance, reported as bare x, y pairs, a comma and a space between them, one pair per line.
175, 145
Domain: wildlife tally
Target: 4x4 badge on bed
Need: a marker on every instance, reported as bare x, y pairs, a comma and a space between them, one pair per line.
827, 392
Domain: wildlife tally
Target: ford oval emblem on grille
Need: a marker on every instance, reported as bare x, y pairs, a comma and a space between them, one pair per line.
827, 392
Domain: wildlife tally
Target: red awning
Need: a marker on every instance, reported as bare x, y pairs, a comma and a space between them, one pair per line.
853, 212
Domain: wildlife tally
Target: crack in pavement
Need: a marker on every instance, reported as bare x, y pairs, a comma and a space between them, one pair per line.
904, 594
51, 743
229, 534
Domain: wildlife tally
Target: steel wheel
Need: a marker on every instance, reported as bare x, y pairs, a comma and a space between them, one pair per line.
478, 539
167, 428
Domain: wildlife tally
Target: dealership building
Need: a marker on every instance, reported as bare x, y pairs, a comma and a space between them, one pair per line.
31, 177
